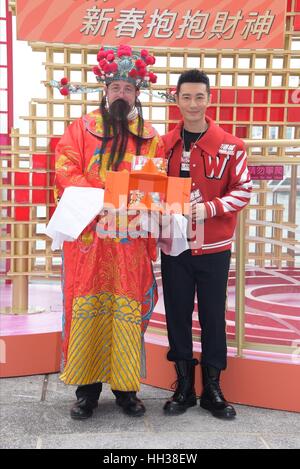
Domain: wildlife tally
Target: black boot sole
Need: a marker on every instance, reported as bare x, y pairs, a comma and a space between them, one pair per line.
225, 415
177, 409
83, 416
129, 412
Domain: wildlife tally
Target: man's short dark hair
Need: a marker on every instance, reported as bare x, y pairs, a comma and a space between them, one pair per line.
193, 76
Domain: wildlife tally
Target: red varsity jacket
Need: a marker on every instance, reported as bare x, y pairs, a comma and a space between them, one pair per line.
220, 179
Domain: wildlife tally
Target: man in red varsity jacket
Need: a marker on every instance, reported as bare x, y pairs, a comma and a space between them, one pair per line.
221, 186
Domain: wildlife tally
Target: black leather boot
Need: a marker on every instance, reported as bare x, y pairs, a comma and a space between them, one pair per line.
87, 400
185, 395
130, 404
83, 409
212, 398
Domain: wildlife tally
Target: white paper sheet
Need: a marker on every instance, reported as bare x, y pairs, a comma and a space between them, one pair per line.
177, 243
77, 207
172, 236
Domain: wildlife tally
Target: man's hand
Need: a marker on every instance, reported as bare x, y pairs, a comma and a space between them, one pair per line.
154, 221
198, 212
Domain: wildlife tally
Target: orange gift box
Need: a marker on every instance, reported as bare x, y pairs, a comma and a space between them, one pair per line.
147, 188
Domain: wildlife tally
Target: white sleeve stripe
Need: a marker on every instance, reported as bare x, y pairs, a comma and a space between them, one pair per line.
230, 206
212, 209
247, 186
233, 200
240, 165
226, 206
218, 243
240, 194
245, 176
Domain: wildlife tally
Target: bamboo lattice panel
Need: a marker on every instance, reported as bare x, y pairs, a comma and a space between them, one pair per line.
254, 96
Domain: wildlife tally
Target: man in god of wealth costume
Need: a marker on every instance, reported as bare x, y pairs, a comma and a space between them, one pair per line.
108, 284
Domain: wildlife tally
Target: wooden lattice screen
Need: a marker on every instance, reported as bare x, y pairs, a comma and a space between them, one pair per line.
254, 96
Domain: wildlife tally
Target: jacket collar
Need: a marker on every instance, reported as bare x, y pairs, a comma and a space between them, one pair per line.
94, 124
210, 142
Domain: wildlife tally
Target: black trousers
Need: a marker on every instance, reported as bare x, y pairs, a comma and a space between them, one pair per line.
91, 391
182, 277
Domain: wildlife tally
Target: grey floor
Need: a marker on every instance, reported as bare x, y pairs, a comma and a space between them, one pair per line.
35, 414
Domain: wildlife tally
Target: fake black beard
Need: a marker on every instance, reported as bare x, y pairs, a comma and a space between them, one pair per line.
115, 123
119, 110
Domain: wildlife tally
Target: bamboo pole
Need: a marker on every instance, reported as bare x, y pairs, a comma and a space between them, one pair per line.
20, 282
240, 282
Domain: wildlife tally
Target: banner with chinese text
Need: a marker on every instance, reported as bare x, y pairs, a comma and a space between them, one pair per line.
233, 24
